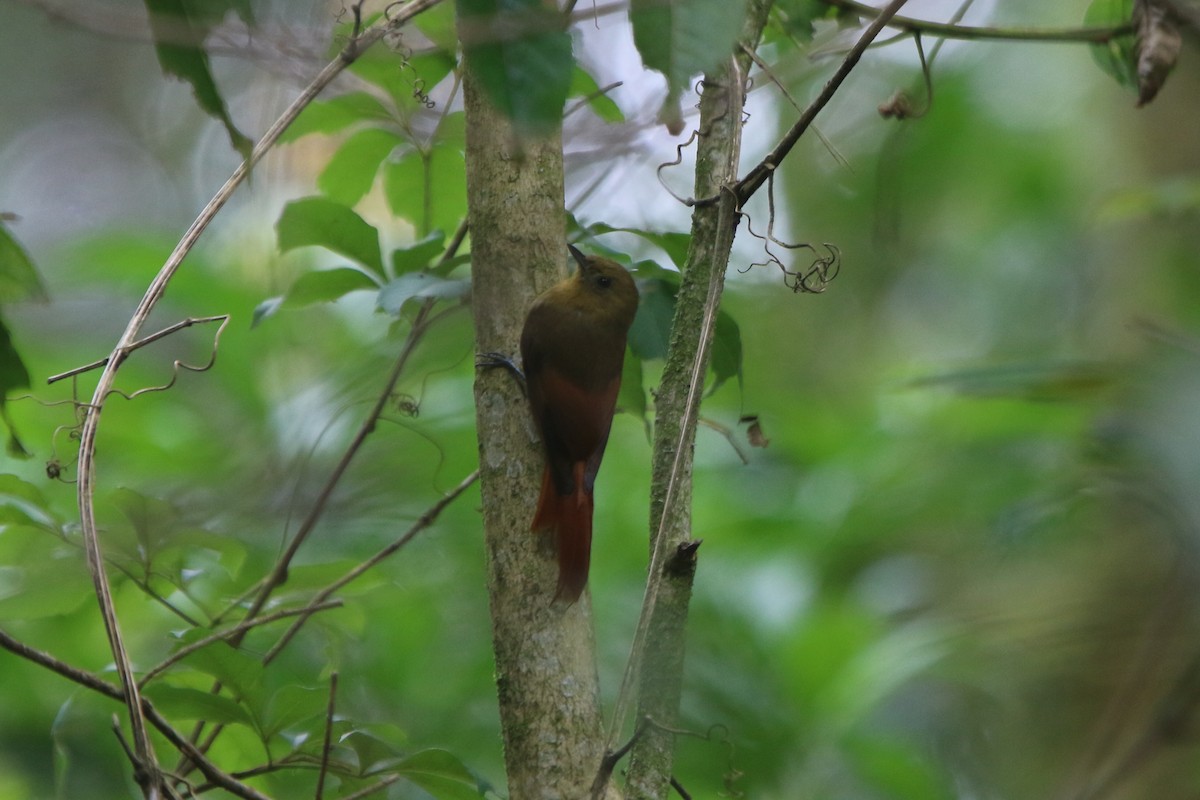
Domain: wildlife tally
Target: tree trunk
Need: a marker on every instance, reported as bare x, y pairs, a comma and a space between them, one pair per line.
545, 654
676, 409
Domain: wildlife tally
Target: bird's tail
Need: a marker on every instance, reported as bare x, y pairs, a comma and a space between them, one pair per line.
569, 516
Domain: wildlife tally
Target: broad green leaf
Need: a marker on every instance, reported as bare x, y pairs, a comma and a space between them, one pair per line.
520, 54
179, 702
794, 18
651, 330
419, 255
584, 85
418, 285
331, 116
29, 499
439, 25
326, 285
1117, 56
317, 575
48, 587
13, 376
675, 244
19, 279
210, 12
726, 359
329, 224
351, 171
682, 38
234, 668
179, 30
650, 334
407, 80
441, 774
632, 398
377, 746
291, 705
150, 518
429, 188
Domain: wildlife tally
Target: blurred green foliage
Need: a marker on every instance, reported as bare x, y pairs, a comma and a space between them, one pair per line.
963, 567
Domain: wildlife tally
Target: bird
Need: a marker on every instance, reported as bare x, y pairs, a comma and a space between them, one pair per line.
573, 352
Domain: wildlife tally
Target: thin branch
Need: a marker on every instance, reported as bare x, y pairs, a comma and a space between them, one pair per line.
613, 757
678, 787
86, 679
367, 791
585, 100
154, 337
422, 522
236, 630
748, 185
85, 488
325, 745
44, 659
279, 572
951, 30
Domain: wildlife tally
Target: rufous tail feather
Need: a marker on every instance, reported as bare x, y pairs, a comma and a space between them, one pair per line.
569, 516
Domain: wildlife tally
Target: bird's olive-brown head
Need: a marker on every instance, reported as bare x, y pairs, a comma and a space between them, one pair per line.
605, 288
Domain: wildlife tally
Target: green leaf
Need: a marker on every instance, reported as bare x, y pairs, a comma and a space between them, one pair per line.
376, 746
650, 334
441, 774
291, 705
407, 80
418, 285
520, 54
632, 398
329, 224
179, 702
651, 330
673, 243
429, 187
584, 85
48, 587
327, 285
439, 25
331, 116
795, 18
179, 30
351, 172
13, 376
21, 493
237, 670
682, 38
19, 279
418, 256
726, 351
150, 518
1117, 56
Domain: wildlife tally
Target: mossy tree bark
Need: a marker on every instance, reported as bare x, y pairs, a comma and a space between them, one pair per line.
545, 654
676, 408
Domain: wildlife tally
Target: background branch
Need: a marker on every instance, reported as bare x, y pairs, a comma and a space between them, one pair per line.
142, 746
748, 185
952, 30
655, 665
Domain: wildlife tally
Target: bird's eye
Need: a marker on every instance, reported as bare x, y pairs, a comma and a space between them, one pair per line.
604, 281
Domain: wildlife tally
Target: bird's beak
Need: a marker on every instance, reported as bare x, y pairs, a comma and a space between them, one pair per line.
579, 257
